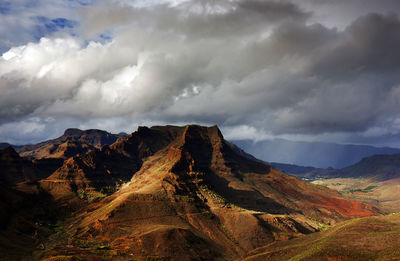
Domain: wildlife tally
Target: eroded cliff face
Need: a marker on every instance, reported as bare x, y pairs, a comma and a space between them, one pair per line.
185, 194
73, 141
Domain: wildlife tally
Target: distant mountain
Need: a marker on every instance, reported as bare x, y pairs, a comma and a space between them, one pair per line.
378, 167
72, 142
374, 180
50, 155
292, 169
315, 154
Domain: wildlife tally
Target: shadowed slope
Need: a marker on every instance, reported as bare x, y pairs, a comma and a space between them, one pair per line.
14, 169
24, 217
26, 221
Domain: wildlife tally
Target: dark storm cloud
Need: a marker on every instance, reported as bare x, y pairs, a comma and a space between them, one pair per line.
340, 13
367, 45
197, 19
267, 65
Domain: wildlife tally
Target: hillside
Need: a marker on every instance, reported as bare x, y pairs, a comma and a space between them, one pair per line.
370, 238
26, 222
27, 213
374, 180
379, 167
14, 169
184, 193
382, 194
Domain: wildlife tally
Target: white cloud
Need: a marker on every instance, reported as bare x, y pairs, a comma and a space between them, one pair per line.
255, 67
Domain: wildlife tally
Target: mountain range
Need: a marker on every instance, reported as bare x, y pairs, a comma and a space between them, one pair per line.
377, 167
315, 154
374, 180
160, 193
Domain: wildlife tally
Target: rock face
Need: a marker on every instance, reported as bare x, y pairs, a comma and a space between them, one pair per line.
187, 194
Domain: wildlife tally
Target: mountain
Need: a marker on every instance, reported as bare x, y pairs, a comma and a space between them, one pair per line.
377, 167
374, 180
370, 238
292, 169
72, 142
50, 155
4, 145
183, 193
316, 154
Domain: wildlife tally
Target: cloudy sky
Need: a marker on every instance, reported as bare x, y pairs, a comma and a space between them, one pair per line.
303, 70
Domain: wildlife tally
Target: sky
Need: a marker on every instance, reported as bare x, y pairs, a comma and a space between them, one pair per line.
311, 70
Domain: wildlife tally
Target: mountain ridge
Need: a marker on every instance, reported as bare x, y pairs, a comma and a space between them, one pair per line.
181, 193
315, 154
74, 141
189, 183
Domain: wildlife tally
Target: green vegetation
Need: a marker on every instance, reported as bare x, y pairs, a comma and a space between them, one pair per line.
322, 226
218, 199
90, 244
365, 190
89, 196
108, 190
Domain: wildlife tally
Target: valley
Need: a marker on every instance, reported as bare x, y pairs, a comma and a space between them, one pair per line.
165, 193
199, 130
